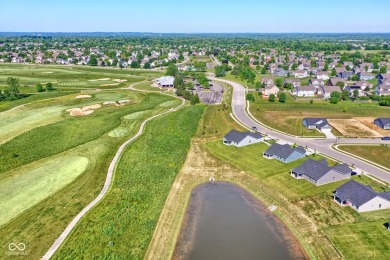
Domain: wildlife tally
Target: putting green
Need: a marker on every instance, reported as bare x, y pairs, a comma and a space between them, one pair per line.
119, 132
18, 121
169, 103
135, 115
20, 191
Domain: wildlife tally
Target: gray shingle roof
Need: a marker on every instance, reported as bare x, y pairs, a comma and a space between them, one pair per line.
355, 192
284, 151
383, 121
318, 122
236, 136
317, 169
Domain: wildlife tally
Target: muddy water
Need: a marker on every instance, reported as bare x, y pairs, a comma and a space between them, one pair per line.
225, 222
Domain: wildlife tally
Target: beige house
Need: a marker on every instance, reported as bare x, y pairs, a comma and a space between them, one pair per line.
271, 89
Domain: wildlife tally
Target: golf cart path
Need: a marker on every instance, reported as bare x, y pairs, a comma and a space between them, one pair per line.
110, 173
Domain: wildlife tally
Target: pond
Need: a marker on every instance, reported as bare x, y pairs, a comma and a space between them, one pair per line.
223, 221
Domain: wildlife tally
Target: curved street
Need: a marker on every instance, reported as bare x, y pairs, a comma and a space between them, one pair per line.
320, 145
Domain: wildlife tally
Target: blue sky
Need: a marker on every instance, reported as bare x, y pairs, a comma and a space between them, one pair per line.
195, 16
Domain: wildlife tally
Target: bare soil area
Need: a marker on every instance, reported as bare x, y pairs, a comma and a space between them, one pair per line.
353, 128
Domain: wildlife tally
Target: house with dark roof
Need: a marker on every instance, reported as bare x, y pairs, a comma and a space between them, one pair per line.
240, 139
316, 123
345, 74
383, 123
320, 173
284, 152
280, 72
361, 198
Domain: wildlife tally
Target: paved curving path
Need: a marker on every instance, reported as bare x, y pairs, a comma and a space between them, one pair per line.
60, 240
321, 145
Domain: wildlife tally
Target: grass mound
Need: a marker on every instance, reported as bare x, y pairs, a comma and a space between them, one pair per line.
119, 132
169, 103
21, 191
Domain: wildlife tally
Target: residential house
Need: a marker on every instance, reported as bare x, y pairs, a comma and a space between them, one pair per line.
320, 172
333, 81
240, 139
271, 89
322, 75
284, 152
383, 77
316, 123
327, 90
339, 69
304, 91
367, 66
361, 198
383, 90
345, 75
267, 81
383, 123
300, 73
294, 82
351, 90
365, 76
166, 81
280, 72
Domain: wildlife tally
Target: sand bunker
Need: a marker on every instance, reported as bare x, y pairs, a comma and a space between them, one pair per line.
119, 80
352, 128
112, 84
83, 111
92, 80
83, 96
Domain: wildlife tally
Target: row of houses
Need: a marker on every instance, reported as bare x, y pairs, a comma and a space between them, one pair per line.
360, 197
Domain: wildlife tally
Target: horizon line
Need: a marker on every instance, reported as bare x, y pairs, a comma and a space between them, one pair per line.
194, 32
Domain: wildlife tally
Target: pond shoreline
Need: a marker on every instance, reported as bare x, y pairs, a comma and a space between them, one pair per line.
187, 238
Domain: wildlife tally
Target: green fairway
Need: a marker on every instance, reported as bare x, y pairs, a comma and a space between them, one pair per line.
168, 103
23, 190
18, 121
135, 115
129, 213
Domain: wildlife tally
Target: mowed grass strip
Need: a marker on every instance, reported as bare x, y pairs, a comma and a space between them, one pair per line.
129, 213
19, 192
51, 139
375, 153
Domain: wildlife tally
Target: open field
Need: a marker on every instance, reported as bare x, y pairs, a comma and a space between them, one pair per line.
377, 154
88, 137
128, 214
287, 117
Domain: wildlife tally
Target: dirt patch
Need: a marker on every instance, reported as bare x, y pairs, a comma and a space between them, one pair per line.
110, 84
83, 96
352, 128
369, 122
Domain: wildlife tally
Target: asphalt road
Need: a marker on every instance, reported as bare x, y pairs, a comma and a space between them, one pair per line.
320, 145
